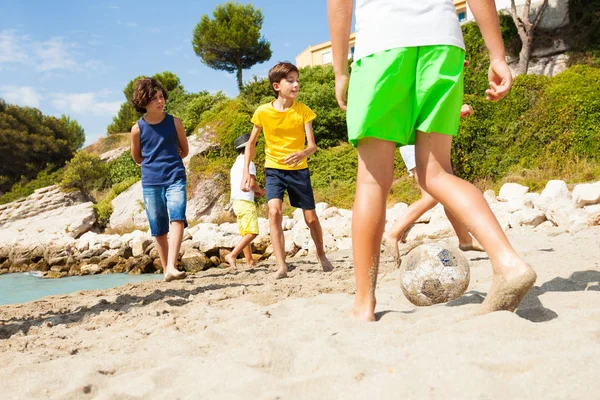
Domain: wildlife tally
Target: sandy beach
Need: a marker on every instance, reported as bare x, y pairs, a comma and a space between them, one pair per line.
244, 335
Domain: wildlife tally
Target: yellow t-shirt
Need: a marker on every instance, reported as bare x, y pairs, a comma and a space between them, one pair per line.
284, 132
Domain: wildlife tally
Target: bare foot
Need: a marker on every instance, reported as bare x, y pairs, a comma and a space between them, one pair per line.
325, 263
507, 292
390, 248
173, 274
364, 310
472, 245
281, 272
231, 261
250, 265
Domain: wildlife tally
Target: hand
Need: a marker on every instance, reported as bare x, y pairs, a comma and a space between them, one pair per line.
341, 89
245, 185
466, 110
500, 79
295, 158
259, 193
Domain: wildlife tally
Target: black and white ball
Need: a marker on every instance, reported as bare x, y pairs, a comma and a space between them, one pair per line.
432, 274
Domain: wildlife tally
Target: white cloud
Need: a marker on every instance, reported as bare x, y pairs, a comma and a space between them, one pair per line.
12, 48
130, 24
85, 103
55, 54
21, 95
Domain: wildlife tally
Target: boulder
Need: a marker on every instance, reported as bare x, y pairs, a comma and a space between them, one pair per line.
555, 192
139, 246
510, 191
586, 194
207, 201
490, 196
128, 209
527, 217
436, 229
593, 212
90, 269
194, 261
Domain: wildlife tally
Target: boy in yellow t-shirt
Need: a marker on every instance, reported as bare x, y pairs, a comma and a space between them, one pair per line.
286, 124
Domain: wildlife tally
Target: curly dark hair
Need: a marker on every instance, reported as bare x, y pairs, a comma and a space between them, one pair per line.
280, 71
145, 90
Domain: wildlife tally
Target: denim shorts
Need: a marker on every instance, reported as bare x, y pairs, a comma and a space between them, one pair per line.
165, 204
295, 182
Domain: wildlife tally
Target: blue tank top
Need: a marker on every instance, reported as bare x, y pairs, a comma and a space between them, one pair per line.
162, 164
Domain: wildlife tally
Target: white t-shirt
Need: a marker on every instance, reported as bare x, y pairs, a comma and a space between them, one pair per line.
388, 24
237, 173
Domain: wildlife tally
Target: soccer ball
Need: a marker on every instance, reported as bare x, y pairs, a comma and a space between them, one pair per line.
433, 274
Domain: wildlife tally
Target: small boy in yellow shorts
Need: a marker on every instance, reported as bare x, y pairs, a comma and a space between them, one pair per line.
243, 204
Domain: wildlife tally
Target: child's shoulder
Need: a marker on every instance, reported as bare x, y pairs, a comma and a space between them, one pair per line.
264, 107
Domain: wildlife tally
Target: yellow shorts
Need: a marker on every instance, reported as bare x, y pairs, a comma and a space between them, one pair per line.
246, 216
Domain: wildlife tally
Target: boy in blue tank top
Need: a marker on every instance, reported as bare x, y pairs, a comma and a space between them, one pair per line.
158, 145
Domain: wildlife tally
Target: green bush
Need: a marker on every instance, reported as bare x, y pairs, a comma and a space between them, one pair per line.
85, 172
197, 106
123, 168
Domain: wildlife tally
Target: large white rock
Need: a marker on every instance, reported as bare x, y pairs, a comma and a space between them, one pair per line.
344, 243
527, 217
329, 213
436, 229
128, 209
490, 196
529, 199
510, 191
338, 227
593, 212
586, 194
208, 200
555, 192
209, 239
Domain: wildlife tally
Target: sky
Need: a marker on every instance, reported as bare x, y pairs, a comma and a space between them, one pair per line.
74, 57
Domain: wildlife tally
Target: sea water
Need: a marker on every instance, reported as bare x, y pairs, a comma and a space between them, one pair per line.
20, 288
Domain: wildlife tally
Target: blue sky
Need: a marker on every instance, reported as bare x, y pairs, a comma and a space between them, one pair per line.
75, 57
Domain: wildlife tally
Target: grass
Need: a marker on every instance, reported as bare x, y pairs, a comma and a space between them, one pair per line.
107, 143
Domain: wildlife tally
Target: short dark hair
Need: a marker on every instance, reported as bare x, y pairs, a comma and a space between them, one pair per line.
145, 90
280, 71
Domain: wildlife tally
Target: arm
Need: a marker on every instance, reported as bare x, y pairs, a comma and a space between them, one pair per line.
258, 191
340, 20
499, 74
297, 157
181, 138
249, 154
136, 147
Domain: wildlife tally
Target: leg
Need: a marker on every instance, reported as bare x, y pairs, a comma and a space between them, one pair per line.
512, 276
466, 242
248, 256
375, 175
162, 246
277, 238
176, 198
312, 221
241, 246
412, 214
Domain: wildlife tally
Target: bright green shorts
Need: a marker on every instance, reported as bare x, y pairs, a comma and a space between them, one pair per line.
397, 92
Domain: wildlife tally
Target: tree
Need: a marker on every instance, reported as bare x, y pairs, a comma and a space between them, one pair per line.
232, 41
526, 27
85, 172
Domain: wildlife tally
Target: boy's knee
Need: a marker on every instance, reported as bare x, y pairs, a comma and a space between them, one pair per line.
275, 213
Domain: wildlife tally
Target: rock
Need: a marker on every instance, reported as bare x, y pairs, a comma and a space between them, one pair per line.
490, 196
593, 212
215, 260
329, 213
140, 265
128, 208
510, 191
320, 208
90, 269
157, 265
578, 220
110, 262
554, 192
139, 246
436, 229
329, 244
54, 275
529, 199
205, 139
343, 243
586, 194
516, 204
208, 200
392, 214
194, 261
288, 223
527, 217
185, 246
291, 248
261, 243
300, 236
114, 153
210, 239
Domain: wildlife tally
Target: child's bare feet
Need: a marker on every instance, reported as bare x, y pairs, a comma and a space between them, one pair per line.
473, 245
325, 263
281, 272
390, 248
250, 265
364, 310
508, 290
173, 274
231, 261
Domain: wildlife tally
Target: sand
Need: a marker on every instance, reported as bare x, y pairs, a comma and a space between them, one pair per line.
245, 335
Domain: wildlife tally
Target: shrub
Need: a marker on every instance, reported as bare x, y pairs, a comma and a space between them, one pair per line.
104, 208
85, 172
123, 168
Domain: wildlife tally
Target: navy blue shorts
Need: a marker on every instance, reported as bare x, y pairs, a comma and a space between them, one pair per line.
297, 184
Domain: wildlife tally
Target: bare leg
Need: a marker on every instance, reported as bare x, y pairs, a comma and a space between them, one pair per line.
512, 276
312, 221
412, 214
277, 238
466, 242
243, 244
375, 175
248, 256
175, 237
162, 246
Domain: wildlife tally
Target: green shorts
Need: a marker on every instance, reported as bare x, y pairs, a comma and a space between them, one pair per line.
397, 92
